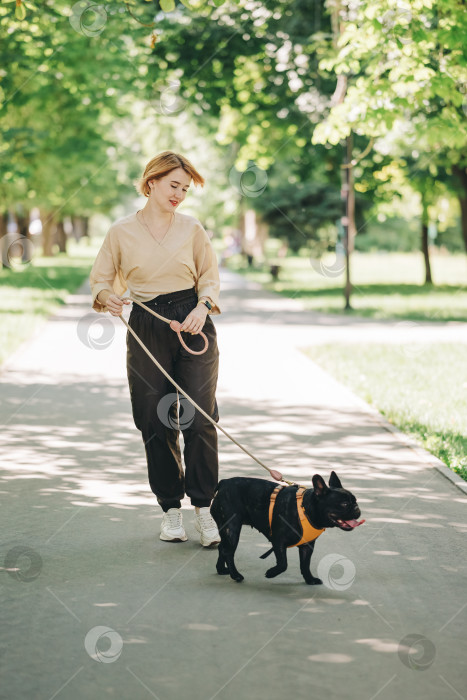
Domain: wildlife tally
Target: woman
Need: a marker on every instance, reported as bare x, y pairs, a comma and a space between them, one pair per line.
166, 260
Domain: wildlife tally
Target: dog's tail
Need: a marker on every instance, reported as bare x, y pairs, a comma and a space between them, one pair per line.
266, 554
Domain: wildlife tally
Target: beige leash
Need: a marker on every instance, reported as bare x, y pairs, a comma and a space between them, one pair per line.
274, 474
175, 326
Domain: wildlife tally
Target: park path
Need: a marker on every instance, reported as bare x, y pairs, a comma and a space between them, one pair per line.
80, 529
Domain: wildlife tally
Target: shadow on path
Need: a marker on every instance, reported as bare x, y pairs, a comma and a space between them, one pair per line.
81, 552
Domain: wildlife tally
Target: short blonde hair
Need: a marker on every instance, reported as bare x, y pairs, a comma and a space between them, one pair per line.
163, 164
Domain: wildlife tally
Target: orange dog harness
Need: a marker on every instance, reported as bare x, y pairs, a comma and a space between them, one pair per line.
309, 533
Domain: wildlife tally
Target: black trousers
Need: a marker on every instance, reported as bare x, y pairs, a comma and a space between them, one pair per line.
156, 411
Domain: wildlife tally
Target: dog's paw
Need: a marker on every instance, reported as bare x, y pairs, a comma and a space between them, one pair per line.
313, 581
271, 573
222, 570
238, 578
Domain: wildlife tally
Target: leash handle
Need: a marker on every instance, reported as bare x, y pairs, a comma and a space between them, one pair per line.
175, 326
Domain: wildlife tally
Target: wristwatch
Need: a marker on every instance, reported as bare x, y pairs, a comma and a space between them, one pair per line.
206, 303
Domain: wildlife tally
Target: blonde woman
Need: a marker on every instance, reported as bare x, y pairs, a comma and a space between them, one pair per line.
165, 259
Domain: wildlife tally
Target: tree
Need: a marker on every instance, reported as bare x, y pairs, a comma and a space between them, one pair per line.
300, 214
61, 152
262, 94
408, 64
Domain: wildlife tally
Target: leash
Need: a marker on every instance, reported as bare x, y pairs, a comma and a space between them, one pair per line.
176, 327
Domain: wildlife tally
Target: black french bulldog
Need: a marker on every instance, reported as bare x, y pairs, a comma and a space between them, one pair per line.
245, 501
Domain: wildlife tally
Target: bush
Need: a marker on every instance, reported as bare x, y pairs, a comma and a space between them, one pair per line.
403, 236
394, 235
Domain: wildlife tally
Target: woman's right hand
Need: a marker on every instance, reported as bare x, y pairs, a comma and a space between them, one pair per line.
115, 304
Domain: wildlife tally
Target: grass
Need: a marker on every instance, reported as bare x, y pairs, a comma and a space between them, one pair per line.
420, 389
31, 292
386, 285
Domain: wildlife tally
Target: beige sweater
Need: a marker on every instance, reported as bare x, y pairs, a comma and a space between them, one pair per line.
130, 258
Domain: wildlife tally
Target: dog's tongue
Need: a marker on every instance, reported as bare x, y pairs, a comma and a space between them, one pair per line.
354, 523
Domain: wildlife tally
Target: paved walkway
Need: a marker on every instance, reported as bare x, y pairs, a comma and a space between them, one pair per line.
89, 579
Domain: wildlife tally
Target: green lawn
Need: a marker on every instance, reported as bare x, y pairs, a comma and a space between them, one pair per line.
30, 292
422, 390
386, 285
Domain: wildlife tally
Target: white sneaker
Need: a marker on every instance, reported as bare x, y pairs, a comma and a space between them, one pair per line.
207, 527
172, 529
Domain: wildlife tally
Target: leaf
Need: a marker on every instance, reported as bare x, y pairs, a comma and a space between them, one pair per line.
167, 5
20, 11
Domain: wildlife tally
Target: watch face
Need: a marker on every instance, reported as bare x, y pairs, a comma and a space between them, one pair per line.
208, 305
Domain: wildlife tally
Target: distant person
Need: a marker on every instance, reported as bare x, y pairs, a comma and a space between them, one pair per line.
166, 260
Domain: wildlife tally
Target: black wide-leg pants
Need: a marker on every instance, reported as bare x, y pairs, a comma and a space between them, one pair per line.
154, 401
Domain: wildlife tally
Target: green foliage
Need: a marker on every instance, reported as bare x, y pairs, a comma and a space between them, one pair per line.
405, 62
407, 58
256, 79
234, 70
450, 239
167, 5
60, 91
300, 213
394, 234
262, 97
408, 65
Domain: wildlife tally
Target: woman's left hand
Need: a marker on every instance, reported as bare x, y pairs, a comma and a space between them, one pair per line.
195, 320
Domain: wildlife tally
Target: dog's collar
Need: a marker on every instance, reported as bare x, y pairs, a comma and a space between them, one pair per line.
309, 533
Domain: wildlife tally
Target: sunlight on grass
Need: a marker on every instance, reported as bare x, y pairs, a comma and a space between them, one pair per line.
386, 285
421, 389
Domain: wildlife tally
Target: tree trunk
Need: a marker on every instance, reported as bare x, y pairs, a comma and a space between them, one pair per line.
22, 222
3, 223
61, 237
80, 227
339, 18
76, 222
463, 205
461, 174
425, 249
349, 227
48, 230
4, 239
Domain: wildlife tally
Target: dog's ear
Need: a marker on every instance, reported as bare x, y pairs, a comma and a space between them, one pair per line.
334, 481
320, 486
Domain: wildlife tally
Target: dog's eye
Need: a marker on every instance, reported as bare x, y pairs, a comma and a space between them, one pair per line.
344, 504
